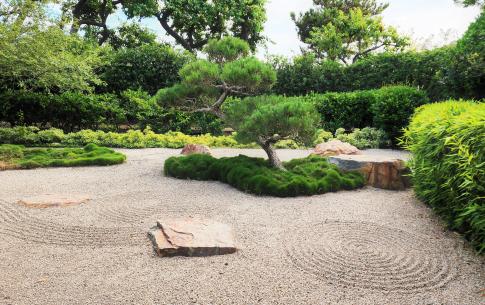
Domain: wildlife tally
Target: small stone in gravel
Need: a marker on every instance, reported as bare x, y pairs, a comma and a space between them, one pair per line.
43, 201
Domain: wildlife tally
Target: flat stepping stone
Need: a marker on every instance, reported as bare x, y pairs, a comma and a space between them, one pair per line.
192, 237
379, 171
44, 201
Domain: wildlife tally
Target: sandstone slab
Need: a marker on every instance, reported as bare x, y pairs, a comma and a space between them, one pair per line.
190, 149
335, 148
43, 201
380, 172
192, 237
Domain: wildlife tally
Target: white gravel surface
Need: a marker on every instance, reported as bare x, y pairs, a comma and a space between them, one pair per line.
360, 247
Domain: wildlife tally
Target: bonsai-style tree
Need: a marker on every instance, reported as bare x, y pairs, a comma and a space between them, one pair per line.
269, 119
229, 71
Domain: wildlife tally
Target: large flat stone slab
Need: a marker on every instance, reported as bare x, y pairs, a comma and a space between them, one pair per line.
192, 237
380, 171
43, 201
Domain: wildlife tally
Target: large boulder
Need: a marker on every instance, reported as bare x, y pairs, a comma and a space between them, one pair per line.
335, 148
190, 149
379, 171
192, 237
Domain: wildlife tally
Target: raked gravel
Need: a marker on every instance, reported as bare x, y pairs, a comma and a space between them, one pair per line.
367, 246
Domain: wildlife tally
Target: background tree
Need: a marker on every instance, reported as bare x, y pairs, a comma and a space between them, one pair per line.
269, 119
192, 23
90, 16
35, 54
470, 2
131, 35
347, 30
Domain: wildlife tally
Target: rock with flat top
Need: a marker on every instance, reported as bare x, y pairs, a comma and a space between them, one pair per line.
43, 201
192, 237
335, 148
190, 149
380, 172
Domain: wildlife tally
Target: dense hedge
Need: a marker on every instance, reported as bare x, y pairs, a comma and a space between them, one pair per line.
309, 176
15, 156
455, 71
148, 67
76, 111
388, 108
447, 141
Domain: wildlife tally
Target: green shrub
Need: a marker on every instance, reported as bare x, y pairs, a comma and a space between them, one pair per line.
388, 108
148, 67
364, 138
393, 107
344, 110
51, 157
448, 164
68, 111
304, 177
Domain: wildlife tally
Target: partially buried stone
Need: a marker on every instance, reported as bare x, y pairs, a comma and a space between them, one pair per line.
190, 149
192, 237
380, 172
42, 201
335, 148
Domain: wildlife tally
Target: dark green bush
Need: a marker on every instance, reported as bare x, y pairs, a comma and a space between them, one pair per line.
148, 67
455, 71
388, 108
393, 107
304, 177
76, 111
448, 164
91, 154
344, 110
68, 111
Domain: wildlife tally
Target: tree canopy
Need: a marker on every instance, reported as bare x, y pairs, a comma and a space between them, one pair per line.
192, 23
206, 83
347, 30
35, 54
269, 119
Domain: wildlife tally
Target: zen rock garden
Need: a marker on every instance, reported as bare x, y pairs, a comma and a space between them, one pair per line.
282, 152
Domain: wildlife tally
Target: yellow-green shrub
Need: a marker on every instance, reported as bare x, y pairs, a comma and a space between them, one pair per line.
447, 141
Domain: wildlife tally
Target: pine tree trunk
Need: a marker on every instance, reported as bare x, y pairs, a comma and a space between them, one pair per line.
274, 161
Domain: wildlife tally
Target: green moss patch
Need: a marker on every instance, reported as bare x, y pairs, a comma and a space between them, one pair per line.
16, 156
309, 176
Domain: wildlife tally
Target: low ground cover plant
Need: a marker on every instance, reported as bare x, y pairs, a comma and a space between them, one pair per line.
53, 137
33, 136
17, 156
302, 177
448, 164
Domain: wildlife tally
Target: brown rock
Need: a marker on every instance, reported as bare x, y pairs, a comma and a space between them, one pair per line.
380, 172
43, 201
190, 149
335, 148
192, 237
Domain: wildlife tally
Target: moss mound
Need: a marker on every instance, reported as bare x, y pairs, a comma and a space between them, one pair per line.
309, 176
17, 156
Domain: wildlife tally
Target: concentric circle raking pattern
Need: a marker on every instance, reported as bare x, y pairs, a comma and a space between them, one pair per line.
369, 256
